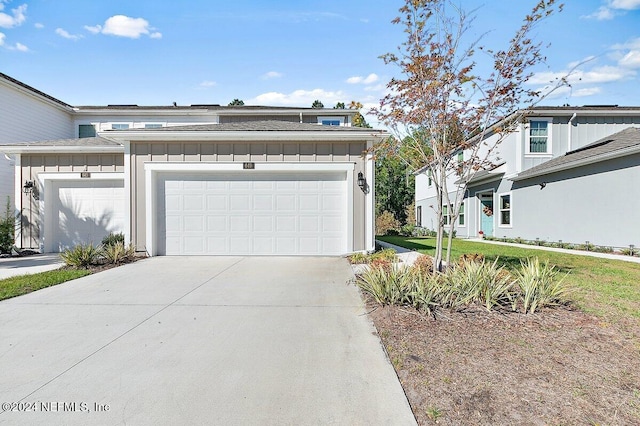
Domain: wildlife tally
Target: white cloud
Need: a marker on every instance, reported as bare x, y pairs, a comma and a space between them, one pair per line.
634, 43
21, 47
125, 26
612, 9
624, 4
16, 19
371, 78
631, 59
38, 25
376, 88
93, 30
64, 34
272, 74
208, 83
299, 98
603, 74
2, 36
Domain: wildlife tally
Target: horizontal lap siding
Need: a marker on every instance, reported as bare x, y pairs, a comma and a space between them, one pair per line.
212, 152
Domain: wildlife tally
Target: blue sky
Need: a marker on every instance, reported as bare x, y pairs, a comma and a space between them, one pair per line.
280, 52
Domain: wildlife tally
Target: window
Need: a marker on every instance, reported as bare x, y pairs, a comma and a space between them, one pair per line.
447, 212
152, 125
119, 126
539, 137
445, 215
331, 121
419, 216
430, 177
460, 161
86, 131
505, 209
461, 215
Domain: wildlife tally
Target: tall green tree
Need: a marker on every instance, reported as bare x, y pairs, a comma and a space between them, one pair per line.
441, 97
236, 102
339, 105
394, 187
317, 104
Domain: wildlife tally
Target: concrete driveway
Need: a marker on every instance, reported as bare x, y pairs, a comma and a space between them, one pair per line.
198, 340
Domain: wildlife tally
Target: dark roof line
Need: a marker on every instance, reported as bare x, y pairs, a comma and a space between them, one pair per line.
34, 90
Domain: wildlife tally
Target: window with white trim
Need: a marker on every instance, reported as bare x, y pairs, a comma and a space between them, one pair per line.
430, 177
505, 209
461, 215
419, 216
447, 213
119, 126
86, 131
152, 125
331, 121
539, 136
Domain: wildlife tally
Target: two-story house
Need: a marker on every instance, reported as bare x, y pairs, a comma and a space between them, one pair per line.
198, 179
567, 174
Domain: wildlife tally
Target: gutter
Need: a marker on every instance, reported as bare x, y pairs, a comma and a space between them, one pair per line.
578, 163
244, 135
39, 149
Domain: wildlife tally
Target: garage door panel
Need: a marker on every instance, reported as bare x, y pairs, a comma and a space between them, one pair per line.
83, 212
257, 213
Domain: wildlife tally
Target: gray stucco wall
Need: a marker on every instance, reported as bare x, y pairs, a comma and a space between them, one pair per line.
598, 203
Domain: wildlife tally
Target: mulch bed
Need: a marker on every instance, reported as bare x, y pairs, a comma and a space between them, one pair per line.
557, 367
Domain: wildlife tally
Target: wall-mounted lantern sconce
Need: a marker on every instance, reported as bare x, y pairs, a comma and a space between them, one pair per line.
362, 182
30, 188
542, 185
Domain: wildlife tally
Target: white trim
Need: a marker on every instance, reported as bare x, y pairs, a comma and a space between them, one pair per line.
127, 191
520, 141
229, 136
17, 197
462, 205
527, 145
46, 180
151, 170
48, 149
500, 224
369, 205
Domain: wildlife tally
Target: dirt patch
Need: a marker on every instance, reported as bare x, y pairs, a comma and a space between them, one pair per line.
555, 367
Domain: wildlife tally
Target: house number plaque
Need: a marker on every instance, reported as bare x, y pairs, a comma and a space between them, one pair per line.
248, 166
85, 174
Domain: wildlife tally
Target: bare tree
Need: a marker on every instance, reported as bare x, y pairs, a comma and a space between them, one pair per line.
443, 104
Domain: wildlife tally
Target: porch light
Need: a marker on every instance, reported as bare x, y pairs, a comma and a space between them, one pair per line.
28, 187
362, 182
631, 247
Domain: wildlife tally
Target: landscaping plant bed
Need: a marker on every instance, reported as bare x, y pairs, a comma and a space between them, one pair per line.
557, 366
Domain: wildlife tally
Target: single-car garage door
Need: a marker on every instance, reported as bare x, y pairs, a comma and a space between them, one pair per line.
259, 213
83, 212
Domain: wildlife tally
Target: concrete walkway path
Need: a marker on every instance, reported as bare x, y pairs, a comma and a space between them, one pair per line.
13, 266
198, 340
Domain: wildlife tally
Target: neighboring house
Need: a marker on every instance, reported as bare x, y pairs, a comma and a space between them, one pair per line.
567, 174
203, 179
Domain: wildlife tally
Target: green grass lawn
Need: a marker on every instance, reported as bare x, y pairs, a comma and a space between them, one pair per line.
608, 288
23, 284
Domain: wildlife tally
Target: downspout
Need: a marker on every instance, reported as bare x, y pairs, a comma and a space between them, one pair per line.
300, 117
575, 114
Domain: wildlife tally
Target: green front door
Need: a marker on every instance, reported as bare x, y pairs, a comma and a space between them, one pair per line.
486, 214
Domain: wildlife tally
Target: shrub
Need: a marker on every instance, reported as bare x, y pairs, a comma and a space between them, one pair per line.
388, 285
540, 285
81, 256
7, 229
407, 230
471, 257
113, 239
386, 222
479, 282
118, 253
419, 231
604, 249
423, 265
427, 291
388, 254
358, 258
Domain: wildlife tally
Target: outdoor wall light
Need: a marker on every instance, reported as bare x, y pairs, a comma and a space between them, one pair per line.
28, 187
542, 185
362, 182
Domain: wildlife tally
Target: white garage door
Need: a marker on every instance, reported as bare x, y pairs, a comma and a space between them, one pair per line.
256, 213
84, 212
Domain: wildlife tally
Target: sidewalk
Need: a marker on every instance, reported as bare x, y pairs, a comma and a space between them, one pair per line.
409, 256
